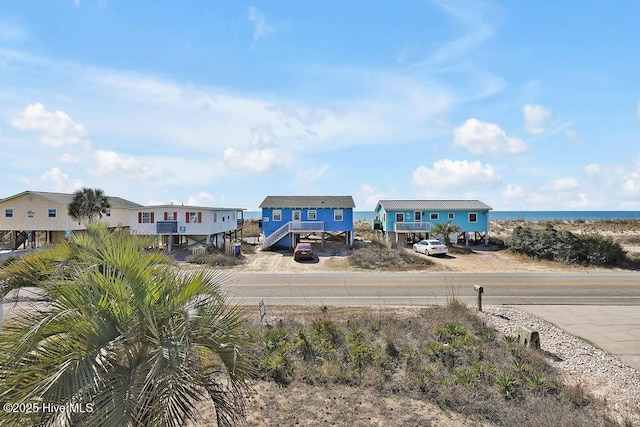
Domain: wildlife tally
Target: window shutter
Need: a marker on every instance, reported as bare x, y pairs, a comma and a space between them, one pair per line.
175, 216
166, 216
152, 217
187, 217
199, 217
139, 217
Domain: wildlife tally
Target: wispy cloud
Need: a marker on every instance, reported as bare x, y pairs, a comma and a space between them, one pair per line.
260, 27
574, 137
11, 32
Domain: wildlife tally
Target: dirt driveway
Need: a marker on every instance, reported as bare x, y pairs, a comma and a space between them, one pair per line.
334, 258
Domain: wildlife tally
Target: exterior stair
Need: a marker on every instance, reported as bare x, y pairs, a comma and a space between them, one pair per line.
21, 237
292, 227
274, 237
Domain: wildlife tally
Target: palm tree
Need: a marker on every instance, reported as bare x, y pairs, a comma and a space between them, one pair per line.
125, 336
88, 204
445, 228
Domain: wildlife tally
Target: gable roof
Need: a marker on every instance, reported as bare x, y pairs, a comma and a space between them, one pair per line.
308, 202
433, 205
66, 198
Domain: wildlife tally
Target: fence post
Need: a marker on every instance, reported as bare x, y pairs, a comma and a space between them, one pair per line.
479, 290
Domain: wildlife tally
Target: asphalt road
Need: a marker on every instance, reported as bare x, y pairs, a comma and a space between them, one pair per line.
415, 289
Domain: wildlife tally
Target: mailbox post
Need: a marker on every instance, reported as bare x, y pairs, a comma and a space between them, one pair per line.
479, 290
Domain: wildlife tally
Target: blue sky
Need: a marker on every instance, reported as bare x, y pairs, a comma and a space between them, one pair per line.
524, 105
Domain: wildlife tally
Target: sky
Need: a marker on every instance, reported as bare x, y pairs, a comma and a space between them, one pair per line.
523, 105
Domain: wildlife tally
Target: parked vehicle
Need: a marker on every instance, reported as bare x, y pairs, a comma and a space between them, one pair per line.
303, 251
431, 247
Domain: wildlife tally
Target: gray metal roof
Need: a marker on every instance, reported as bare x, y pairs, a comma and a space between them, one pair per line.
433, 205
66, 198
308, 202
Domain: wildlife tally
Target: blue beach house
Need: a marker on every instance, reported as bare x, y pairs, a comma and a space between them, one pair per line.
286, 218
401, 220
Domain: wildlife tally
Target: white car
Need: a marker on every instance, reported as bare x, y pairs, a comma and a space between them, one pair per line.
430, 247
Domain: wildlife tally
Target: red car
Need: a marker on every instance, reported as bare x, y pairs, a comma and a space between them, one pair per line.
303, 251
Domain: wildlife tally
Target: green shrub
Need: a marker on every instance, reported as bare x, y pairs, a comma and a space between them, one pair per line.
566, 247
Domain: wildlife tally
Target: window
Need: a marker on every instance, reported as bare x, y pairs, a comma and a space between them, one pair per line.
452, 215
312, 215
417, 216
473, 217
194, 217
52, 213
277, 214
400, 217
8, 213
146, 217
297, 215
30, 213
338, 215
107, 212
434, 216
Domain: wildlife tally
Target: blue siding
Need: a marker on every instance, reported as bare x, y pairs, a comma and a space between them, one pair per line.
461, 219
322, 214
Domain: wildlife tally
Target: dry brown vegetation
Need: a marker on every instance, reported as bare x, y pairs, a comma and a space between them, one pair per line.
433, 366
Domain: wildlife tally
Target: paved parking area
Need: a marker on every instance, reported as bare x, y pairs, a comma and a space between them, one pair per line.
614, 329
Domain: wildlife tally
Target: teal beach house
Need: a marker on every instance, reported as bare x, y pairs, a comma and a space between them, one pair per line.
398, 221
285, 219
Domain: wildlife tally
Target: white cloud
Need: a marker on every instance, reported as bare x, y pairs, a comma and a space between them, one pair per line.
201, 199
110, 162
574, 137
254, 161
262, 136
260, 26
514, 192
68, 158
536, 118
486, 138
55, 129
11, 31
368, 196
592, 169
565, 184
59, 181
310, 175
447, 173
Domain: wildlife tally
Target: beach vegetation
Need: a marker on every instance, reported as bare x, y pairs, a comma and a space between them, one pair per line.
123, 335
376, 255
565, 246
445, 229
88, 204
441, 355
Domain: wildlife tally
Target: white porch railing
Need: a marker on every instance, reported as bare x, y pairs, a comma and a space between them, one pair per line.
412, 227
291, 227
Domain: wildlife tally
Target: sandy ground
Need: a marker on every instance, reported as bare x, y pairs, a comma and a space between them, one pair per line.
482, 259
334, 258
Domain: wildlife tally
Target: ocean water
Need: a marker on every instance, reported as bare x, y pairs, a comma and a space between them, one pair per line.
512, 215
